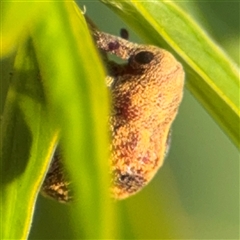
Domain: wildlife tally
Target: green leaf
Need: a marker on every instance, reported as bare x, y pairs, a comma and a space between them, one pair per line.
211, 76
28, 139
78, 94
56, 86
14, 22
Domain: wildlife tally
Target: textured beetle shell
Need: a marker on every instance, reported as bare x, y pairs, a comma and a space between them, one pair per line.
145, 103
146, 93
56, 185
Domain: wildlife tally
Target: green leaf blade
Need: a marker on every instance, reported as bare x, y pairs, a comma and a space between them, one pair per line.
74, 81
25, 148
69, 92
15, 21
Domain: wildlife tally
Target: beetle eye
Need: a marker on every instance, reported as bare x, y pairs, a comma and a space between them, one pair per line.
144, 57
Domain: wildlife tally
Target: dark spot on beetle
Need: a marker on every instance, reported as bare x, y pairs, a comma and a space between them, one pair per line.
113, 45
144, 57
129, 182
124, 33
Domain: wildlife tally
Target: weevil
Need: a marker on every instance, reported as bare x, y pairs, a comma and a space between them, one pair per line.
146, 93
